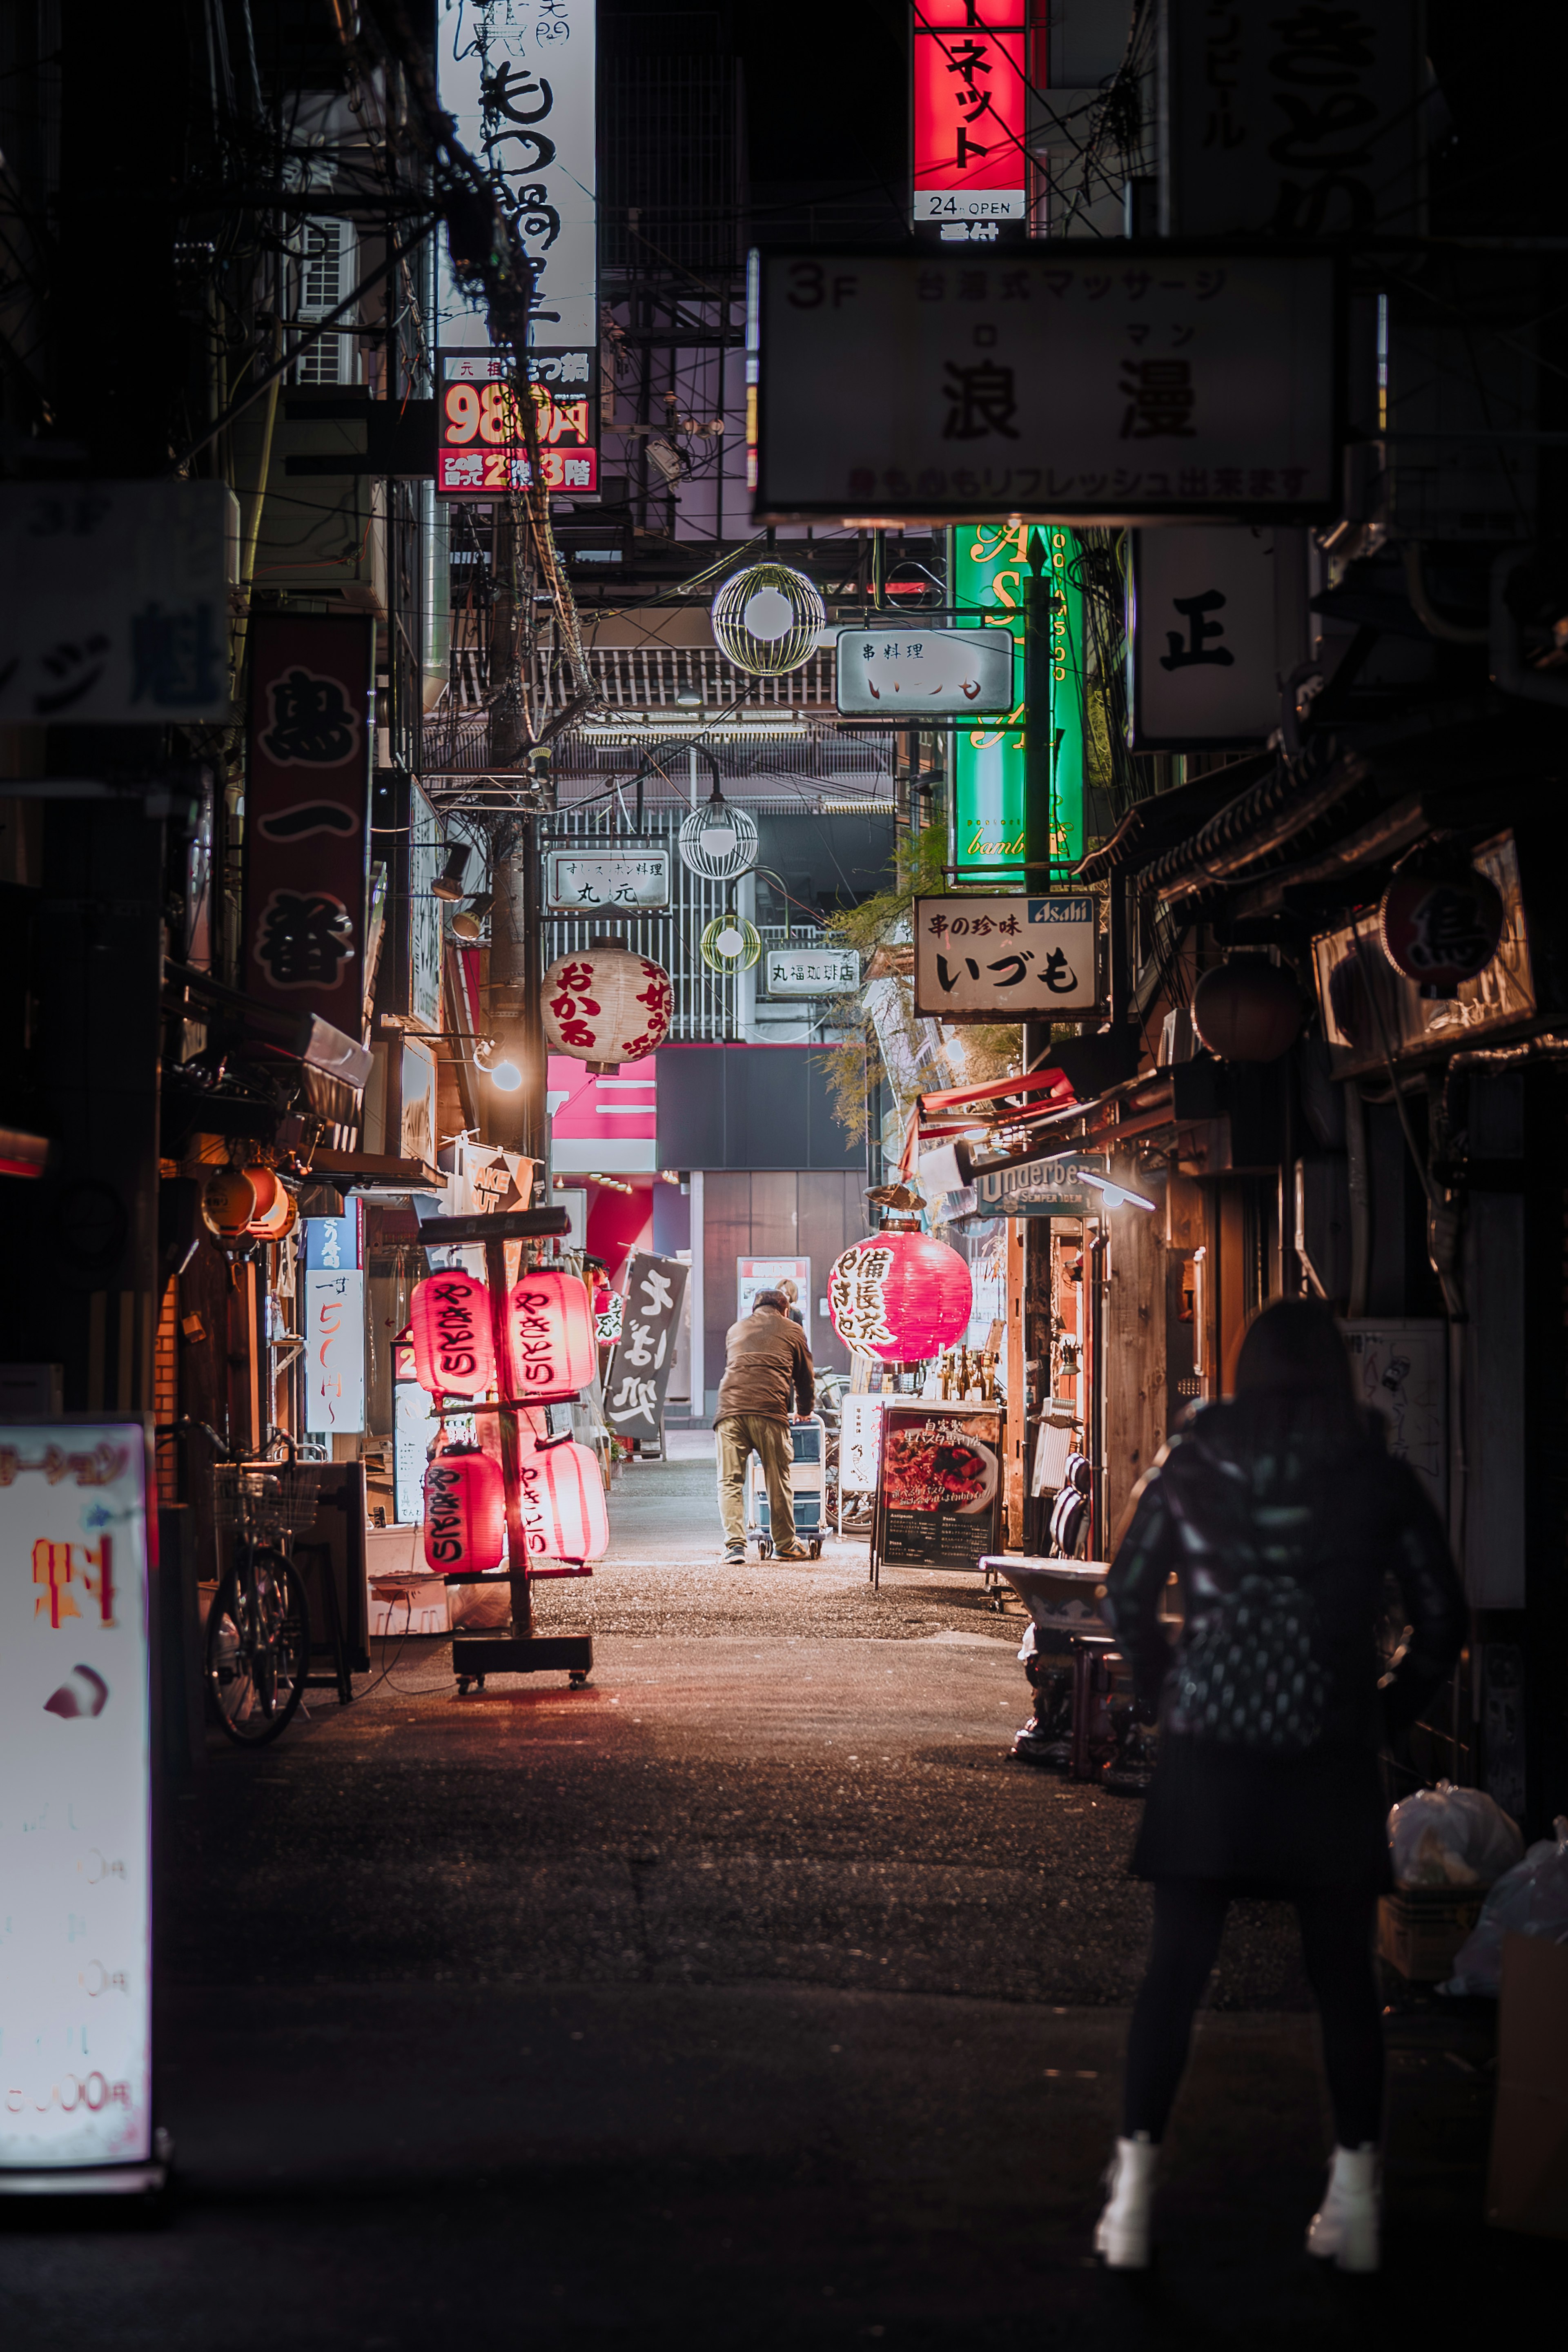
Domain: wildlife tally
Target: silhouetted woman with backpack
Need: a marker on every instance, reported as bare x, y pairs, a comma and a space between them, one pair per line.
1280, 1512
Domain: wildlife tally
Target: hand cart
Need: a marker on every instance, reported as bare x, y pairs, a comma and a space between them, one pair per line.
808, 1489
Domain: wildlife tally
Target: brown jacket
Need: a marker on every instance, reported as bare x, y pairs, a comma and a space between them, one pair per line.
765, 1355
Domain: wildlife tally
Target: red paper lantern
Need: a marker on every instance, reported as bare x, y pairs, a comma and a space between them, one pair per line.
604, 1005
1440, 922
454, 1347
465, 1515
901, 1296
552, 1349
1247, 1010
561, 1498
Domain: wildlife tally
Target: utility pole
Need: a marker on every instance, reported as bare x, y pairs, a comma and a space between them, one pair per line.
1039, 811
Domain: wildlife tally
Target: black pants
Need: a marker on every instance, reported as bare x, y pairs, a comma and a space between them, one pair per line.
1336, 1944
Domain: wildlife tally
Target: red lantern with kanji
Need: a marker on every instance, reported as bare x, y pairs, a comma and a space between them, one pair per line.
604, 1005
560, 1494
1440, 921
465, 1515
901, 1296
552, 1349
454, 1347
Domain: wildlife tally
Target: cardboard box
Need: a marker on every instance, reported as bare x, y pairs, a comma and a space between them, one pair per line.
407, 1604
1527, 2188
1420, 1930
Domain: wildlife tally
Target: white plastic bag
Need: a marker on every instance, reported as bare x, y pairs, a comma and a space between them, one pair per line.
1452, 1837
1530, 1900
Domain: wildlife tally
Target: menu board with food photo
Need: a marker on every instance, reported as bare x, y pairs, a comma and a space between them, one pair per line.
941, 1491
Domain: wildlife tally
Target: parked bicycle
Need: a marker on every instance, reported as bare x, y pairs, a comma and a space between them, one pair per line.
258, 1652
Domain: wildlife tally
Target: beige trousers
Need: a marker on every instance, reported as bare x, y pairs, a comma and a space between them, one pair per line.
739, 1437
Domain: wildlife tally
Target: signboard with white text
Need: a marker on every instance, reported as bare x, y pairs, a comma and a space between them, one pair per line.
1006, 959
639, 1375
969, 91
911, 676
332, 1324
76, 1916
1067, 382
479, 442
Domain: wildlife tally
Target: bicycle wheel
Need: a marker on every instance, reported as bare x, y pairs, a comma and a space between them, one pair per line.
258, 1648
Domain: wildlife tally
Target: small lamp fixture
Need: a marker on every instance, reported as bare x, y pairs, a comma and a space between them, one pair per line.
469, 925
690, 699
503, 1074
448, 883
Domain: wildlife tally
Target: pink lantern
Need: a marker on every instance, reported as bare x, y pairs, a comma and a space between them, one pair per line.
454, 1347
604, 1005
465, 1515
561, 1498
551, 1350
901, 1296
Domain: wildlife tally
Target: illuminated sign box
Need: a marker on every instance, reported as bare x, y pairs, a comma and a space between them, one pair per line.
970, 95
1054, 383
480, 444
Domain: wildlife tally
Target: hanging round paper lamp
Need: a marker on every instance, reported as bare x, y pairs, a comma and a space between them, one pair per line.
464, 1514
730, 944
1440, 921
277, 1212
604, 1005
766, 619
552, 1349
228, 1203
562, 1496
1247, 1010
901, 1296
454, 1347
718, 841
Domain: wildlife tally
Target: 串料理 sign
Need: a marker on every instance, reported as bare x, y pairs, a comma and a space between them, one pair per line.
911, 676
1112, 385
1006, 959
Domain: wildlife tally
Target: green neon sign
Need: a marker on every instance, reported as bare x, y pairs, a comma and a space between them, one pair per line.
988, 565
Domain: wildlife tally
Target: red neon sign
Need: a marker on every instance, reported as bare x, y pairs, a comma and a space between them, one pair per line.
970, 97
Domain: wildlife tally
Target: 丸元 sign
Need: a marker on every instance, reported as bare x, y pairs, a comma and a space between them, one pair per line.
1006, 959
573, 882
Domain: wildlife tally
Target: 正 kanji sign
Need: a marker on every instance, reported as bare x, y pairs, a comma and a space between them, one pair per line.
480, 439
1218, 617
638, 1373
812, 971
970, 92
1070, 382
307, 814
573, 882
114, 601
912, 676
1006, 959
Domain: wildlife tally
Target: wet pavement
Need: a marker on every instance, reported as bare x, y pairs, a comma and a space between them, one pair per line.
752, 1995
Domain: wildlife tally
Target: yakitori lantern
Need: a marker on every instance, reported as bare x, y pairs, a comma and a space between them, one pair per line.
1247, 1010
561, 1497
228, 1203
454, 1347
1440, 922
901, 1296
552, 1347
277, 1212
604, 1005
464, 1514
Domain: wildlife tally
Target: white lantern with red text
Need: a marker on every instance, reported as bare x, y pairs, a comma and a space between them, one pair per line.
604, 1005
551, 1346
561, 1498
464, 1514
454, 1347
901, 1296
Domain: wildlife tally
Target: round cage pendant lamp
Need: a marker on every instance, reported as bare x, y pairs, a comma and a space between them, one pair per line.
901, 1296
718, 841
766, 619
730, 944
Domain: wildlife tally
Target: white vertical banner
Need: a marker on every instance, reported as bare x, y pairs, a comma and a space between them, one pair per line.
530, 65
1218, 617
334, 1331
76, 1935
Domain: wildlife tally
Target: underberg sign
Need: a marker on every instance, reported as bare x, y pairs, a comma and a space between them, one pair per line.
1039, 1187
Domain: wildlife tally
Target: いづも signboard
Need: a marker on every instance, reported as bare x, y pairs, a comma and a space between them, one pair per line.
1006, 959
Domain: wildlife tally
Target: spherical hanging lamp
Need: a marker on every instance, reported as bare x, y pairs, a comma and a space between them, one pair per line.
604, 1005
730, 944
718, 841
454, 1347
464, 1514
550, 1347
561, 1498
228, 1203
1247, 1010
766, 619
901, 1296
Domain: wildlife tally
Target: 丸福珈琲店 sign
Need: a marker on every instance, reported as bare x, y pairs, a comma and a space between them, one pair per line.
1006, 959
916, 675
1070, 384
596, 883
812, 971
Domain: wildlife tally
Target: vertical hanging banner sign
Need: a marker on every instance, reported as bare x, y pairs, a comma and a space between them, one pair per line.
75, 1924
970, 95
523, 93
332, 1324
639, 1375
988, 568
307, 814
1070, 700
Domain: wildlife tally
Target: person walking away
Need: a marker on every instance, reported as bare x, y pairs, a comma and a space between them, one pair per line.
1279, 1512
765, 1359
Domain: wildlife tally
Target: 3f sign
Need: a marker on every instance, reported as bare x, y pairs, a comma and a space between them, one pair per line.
810, 287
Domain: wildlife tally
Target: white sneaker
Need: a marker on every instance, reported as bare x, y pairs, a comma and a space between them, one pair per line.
1345, 2229
1121, 2235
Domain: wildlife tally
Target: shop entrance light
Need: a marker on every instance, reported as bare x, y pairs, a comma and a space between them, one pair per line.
448, 883
503, 1074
